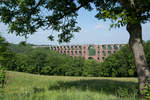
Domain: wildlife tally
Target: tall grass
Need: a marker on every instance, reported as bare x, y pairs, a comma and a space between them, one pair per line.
23, 86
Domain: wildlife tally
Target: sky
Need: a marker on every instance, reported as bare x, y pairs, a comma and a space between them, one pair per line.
93, 31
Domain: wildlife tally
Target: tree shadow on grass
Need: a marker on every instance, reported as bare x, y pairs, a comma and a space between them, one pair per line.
107, 86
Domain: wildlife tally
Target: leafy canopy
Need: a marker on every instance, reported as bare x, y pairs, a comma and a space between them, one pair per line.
26, 16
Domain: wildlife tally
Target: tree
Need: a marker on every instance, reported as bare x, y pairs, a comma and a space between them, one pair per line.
4, 55
27, 16
4, 51
90, 68
119, 64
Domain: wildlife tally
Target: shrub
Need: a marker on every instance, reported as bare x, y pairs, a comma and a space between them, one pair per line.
146, 90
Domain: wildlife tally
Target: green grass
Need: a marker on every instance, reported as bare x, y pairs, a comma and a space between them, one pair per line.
23, 86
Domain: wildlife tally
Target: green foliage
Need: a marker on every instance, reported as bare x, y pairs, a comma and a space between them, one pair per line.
47, 62
146, 90
119, 64
25, 17
126, 92
4, 57
5, 54
2, 81
22, 47
122, 62
90, 68
44, 61
2, 77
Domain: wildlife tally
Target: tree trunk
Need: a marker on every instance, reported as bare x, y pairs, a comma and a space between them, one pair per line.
135, 43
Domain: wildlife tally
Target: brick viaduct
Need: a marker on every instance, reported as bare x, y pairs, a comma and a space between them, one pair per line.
97, 52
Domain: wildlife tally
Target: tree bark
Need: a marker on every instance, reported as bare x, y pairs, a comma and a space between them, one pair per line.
135, 43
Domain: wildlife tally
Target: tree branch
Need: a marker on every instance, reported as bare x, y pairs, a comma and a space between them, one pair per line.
38, 4
74, 10
65, 14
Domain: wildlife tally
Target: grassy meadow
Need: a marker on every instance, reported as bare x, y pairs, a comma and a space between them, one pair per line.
23, 86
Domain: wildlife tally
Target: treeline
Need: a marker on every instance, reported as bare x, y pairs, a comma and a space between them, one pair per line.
121, 64
47, 62
24, 58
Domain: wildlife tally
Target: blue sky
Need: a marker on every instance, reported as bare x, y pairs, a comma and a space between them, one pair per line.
93, 32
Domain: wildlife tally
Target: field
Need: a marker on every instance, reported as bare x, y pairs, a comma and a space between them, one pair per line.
23, 86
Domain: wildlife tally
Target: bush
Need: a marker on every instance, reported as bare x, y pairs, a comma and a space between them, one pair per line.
146, 90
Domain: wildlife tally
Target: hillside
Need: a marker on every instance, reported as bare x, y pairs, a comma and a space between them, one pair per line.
23, 86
